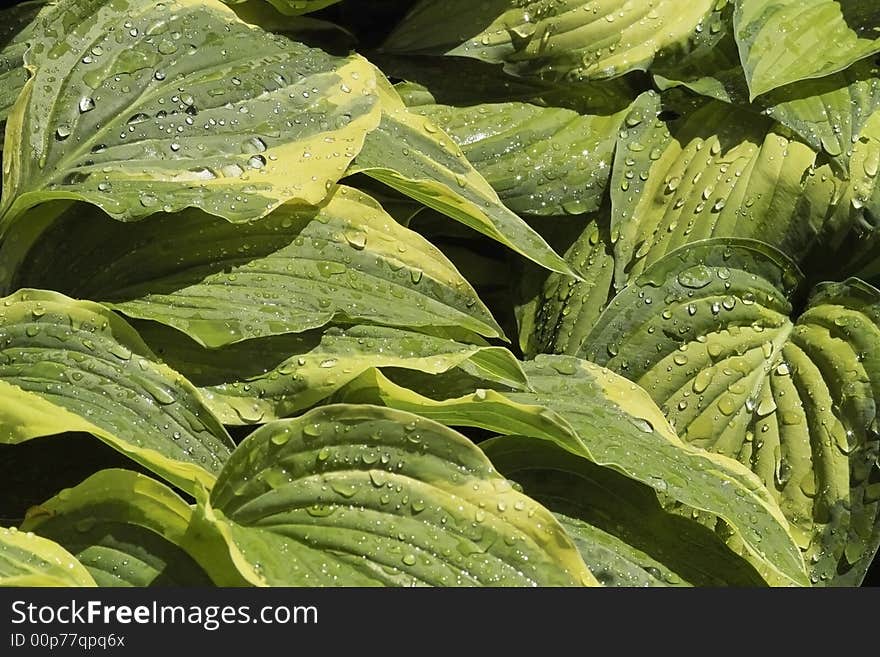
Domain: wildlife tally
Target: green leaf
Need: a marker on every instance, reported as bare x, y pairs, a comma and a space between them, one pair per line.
361, 495
561, 310
70, 365
29, 560
295, 270
613, 562
142, 108
828, 113
414, 156
525, 152
462, 81
594, 414
266, 379
567, 39
866, 167
710, 66
290, 7
15, 28
821, 37
715, 171
626, 536
792, 400
124, 527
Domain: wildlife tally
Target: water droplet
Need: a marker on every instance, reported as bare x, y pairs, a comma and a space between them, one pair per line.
86, 104
280, 438
702, 380
252, 146
695, 277
148, 200
356, 238
642, 424
84, 525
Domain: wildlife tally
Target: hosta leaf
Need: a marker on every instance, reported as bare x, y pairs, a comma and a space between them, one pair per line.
362, 495
411, 154
462, 81
267, 379
710, 66
16, 28
124, 527
794, 400
821, 37
562, 310
571, 39
142, 107
290, 7
613, 562
716, 171
525, 152
294, 270
866, 167
30, 560
594, 414
828, 113
70, 365
624, 534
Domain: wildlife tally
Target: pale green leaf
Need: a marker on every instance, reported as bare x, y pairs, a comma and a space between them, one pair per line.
290, 7
597, 415
414, 156
525, 152
828, 113
295, 270
792, 399
15, 28
783, 42
124, 527
142, 108
30, 560
623, 532
366, 496
558, 39
561, 310
266, 379
70, 365
713, 170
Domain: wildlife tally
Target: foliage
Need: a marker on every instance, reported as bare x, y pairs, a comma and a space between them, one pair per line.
439, 292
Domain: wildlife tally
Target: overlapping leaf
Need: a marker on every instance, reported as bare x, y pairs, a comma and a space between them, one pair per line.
140, 108
266, 379
828, 113
624, 534
30, 560
361, 495
414, 156
559, 311
70, 365
709, 332
595, 415
292, 271
124, 527
820, 37
291, 7
711, 170
16, 24
525, 152
570, 39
